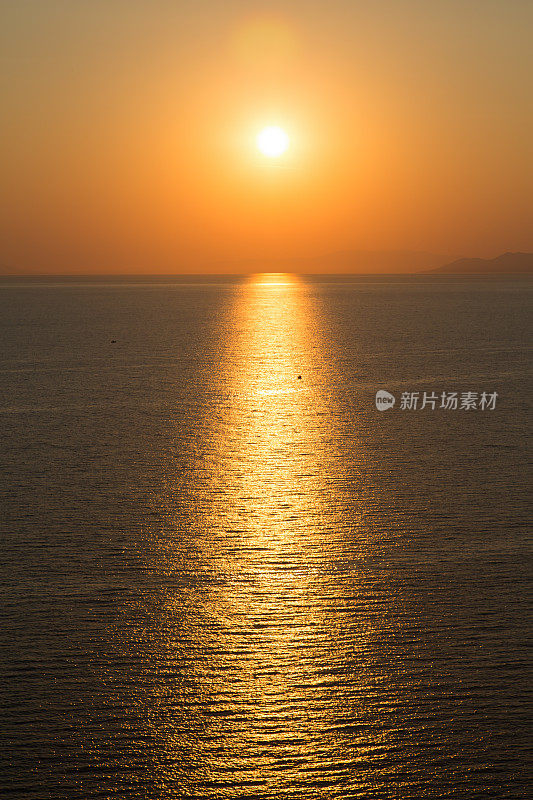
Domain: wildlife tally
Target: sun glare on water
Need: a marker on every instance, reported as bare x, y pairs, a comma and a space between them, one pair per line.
272, 141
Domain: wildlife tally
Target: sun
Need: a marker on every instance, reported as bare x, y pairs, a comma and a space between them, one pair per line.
272, 141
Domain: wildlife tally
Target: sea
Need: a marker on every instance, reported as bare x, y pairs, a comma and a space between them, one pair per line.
228, 572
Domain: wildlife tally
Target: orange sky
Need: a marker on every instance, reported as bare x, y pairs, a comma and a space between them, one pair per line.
128, 132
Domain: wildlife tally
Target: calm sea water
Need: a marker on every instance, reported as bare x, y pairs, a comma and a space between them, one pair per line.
221, 580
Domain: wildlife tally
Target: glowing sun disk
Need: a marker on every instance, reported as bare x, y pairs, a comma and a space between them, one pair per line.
272, 141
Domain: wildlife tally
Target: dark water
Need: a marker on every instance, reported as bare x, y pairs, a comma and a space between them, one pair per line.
223, 581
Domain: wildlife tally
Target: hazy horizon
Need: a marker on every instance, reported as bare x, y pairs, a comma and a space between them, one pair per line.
348, 263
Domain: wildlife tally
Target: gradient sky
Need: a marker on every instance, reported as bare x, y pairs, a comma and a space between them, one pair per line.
128, 130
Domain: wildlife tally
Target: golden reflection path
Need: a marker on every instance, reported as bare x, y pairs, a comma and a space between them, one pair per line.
263, 629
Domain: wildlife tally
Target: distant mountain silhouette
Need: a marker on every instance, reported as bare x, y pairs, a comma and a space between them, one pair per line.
510, 263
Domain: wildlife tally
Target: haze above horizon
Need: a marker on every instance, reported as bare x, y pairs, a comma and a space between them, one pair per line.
130, 132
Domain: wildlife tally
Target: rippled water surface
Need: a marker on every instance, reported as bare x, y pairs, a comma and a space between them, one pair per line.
223, 580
